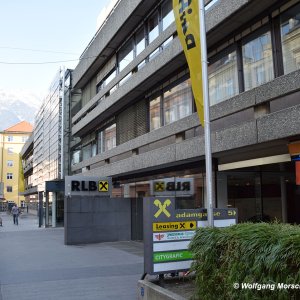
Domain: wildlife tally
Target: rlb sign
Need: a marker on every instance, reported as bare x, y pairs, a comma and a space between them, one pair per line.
168, 232
173, 187
90, 186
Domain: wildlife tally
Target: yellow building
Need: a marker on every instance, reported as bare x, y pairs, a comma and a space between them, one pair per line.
12, 140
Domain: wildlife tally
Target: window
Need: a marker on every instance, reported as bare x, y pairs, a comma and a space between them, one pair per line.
10, 163
24, 139
9, 176
290, 38
10, 138
140, 41
107, 139
10, 150
258, 61
126, 54
178, 102
76, 156
86, 151
153, 29
106, 80
223, 78
9, 189
167, 14
155, 119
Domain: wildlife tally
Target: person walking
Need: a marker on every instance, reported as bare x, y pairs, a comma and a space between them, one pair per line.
15, 213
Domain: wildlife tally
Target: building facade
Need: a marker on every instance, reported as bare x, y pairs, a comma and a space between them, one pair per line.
12, 140
134, 117
45, 156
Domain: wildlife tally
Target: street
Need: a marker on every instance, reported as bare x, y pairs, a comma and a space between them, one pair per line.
35, 264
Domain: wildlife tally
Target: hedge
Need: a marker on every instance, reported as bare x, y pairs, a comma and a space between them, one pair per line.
261, 255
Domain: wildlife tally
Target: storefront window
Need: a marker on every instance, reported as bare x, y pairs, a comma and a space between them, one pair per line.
258, 61
290, 37
178, 102
223, 78
155, 119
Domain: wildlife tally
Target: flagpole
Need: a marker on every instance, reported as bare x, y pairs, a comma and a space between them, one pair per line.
208, 156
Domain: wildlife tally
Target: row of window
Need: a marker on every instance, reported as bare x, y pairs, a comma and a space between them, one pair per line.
244, 65
257, 57
169, 105
156, 23
11, 138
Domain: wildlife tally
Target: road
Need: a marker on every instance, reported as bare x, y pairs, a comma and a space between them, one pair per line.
35, 264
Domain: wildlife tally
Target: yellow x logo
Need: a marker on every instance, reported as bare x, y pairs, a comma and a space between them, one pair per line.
162, 207
103, 186
159, 186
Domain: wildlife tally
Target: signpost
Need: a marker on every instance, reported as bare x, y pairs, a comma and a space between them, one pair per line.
168, 231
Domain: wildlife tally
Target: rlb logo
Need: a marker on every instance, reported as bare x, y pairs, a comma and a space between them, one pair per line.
178, 186
85, 185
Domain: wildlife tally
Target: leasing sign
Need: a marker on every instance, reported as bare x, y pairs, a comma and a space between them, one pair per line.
168, 231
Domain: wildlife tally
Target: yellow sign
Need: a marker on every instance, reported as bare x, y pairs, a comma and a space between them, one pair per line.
159, 186
173, 226
103, 186
188, 28
162, 207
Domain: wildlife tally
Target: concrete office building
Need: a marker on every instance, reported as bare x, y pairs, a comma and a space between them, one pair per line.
45, 156
134, 117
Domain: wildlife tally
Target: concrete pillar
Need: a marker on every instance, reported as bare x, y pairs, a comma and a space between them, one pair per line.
53, 209
47, 210
283, 199
222, 198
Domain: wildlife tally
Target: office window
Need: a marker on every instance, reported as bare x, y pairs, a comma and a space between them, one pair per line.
9, 176
126, 54
10, 163
140, 41
106, 80
155, 118
258, 61
290, 38
10, 138
223, 78
107, 139
86, 151
153, 29
9, 189
10, 150
178, 102
167, 14
76, 156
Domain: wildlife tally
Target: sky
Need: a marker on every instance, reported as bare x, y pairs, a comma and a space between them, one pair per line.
34, 34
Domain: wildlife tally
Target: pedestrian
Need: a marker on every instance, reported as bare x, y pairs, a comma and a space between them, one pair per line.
15, 213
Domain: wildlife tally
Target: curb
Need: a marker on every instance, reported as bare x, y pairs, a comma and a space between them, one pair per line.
147, 290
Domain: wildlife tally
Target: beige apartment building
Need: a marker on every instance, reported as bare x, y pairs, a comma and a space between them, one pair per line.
12, 140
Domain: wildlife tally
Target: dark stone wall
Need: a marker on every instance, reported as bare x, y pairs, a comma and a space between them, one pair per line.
97, 219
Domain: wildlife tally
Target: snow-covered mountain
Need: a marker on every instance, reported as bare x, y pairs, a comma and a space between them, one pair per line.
18, 105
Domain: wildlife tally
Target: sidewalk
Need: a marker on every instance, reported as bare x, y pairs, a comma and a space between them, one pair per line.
35, 264
26, 222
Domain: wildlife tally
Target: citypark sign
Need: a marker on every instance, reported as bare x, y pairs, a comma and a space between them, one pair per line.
88, 186
168, 232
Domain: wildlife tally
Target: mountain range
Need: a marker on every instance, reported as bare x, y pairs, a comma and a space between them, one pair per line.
18, 105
